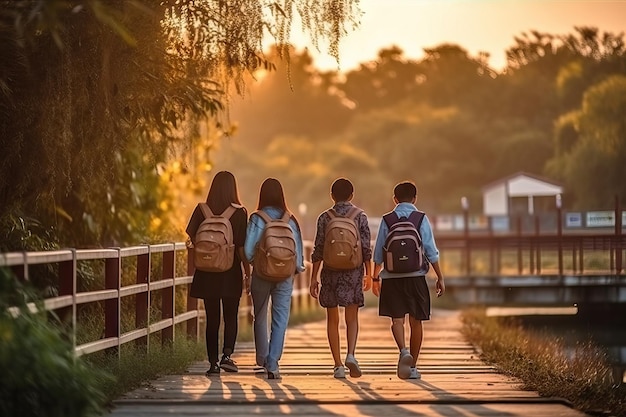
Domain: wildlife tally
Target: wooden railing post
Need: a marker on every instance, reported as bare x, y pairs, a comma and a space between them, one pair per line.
21, 270
520, 260
538, 246
192, 302
112, 310
168, 294
492, 258
142, 299
67, 286
618, 237
559, 228
581, 259
468, 266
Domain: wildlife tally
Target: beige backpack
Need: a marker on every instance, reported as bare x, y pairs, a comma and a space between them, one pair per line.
214, 249
275, 253
342, 241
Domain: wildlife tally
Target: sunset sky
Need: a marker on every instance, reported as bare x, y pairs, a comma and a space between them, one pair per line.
476, 25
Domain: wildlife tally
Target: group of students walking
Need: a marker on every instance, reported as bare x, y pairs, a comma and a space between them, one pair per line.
262, 252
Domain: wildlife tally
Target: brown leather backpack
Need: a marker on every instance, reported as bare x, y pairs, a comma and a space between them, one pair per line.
275, 254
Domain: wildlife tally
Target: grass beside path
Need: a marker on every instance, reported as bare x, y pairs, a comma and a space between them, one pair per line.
580, 375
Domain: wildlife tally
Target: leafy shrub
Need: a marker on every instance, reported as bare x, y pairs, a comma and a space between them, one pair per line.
40, 375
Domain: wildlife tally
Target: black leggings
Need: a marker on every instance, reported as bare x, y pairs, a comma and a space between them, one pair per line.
230, 306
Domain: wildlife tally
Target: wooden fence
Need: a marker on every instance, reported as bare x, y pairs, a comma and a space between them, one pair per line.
160, 274
532, 254
155, 278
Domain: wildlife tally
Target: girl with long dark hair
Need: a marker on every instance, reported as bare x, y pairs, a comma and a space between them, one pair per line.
221, 291
269, 348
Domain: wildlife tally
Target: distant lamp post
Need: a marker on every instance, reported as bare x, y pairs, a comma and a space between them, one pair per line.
465, 207
559, 231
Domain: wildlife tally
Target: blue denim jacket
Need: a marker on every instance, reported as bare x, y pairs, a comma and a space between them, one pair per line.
426, 232
255, 230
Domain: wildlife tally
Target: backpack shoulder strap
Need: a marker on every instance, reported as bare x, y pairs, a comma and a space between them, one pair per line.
353, 213
332, 213
391, 218
286, 217
416, 217
230, 210
264, 216
206, 210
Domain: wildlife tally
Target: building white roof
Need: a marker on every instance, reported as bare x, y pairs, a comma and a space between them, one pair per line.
497, 195
523, 184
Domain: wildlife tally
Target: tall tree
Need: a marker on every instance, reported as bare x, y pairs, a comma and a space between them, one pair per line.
91, 89
379, 84
593, 162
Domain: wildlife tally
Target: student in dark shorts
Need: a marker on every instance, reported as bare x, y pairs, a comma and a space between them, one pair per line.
406, 293
341, 287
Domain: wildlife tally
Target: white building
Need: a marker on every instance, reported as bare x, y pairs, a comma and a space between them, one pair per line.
520, 193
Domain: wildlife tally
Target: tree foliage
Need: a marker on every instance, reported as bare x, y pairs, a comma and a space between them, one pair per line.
95, 95
446, 121
593, 161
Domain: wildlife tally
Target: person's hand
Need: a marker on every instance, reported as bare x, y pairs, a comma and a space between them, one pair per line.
367, 282
376, 287
246, 283
314, 288
441, 287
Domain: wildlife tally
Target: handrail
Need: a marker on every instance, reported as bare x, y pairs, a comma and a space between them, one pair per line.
528, 251
69, 300
170, 282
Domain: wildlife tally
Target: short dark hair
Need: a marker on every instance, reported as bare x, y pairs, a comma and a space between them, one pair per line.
405, 191
341, 189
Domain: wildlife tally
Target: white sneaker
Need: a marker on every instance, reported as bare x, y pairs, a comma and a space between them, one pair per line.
353, 366
339, 372
415, 374
404, 364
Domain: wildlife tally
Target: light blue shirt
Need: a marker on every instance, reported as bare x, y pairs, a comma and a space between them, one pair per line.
428, 240
255, 229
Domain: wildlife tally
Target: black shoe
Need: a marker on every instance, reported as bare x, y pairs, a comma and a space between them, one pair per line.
228, 364
273, 375
213, 370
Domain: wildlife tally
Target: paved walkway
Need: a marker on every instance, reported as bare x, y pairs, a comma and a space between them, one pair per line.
454, 381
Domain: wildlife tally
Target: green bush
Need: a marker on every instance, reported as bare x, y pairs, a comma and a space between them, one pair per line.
40, 375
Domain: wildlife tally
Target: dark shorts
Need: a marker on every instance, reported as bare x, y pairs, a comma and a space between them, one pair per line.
401, 296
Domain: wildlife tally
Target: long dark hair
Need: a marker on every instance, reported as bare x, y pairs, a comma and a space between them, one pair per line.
272, 195
223, 192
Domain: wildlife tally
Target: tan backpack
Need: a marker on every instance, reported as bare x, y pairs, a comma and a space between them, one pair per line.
342, 241
214, 249
275, 253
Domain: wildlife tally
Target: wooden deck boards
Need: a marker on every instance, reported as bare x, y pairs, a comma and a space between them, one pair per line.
454, 381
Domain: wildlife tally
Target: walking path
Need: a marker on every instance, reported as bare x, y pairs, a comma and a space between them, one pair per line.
454, 381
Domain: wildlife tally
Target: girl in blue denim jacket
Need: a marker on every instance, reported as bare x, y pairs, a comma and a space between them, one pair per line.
269, 349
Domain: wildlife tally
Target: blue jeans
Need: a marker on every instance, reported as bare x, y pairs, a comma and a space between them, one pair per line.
269, 350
